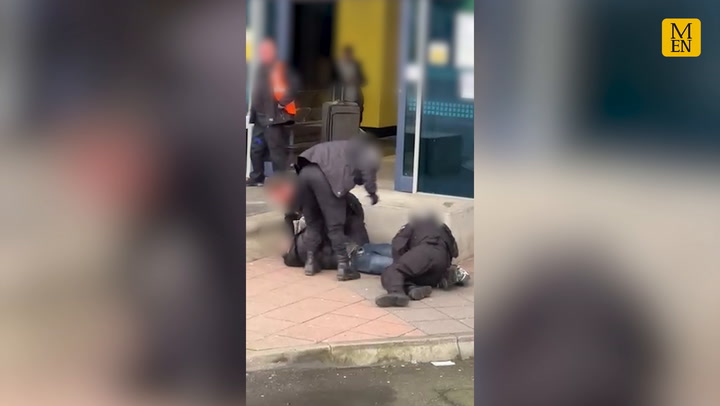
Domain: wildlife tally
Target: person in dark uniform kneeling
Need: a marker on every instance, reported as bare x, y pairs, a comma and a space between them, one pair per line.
422, 251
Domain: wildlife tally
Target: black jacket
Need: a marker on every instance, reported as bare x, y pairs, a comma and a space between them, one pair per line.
265, 111
421, 231
345, 164
354, 229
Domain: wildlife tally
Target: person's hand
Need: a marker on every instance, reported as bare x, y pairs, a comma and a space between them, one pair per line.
374, 199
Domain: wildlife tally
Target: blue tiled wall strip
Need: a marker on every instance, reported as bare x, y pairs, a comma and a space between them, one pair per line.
443, 109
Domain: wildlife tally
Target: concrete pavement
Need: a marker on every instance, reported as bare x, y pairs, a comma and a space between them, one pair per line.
255, 201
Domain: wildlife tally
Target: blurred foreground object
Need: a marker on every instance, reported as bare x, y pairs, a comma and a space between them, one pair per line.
570, 336
124, 229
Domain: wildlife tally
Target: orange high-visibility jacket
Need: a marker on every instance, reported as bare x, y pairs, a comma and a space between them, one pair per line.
278, 80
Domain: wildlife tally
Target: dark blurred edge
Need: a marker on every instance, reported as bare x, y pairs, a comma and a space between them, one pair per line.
617, 43
181, 63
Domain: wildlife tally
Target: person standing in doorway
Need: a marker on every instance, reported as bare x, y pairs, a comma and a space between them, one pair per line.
349, 79
272, 112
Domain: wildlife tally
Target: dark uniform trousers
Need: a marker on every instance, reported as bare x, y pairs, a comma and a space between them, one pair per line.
269, 142
323, 211
422, 265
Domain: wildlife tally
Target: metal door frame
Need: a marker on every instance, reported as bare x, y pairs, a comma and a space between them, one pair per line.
256, 10
405, 183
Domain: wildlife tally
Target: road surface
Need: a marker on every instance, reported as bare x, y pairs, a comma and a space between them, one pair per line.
400, 385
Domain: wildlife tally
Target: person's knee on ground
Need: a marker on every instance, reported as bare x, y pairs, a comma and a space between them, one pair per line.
417, 267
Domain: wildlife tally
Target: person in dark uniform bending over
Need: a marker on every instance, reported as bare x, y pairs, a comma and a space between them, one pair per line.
326, 174
272, 112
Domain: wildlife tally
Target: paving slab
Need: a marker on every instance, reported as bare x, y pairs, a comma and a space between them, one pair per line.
286, 309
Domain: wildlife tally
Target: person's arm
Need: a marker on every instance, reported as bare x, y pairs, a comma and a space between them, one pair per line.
369, 164
290, 219
370, 176
293, 82
400, 242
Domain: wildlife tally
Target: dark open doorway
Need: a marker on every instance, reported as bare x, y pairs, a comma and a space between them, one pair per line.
313, 42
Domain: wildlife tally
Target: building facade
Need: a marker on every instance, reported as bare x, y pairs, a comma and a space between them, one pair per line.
417, 56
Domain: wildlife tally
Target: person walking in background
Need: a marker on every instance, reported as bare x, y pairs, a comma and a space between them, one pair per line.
272, 112
349, 78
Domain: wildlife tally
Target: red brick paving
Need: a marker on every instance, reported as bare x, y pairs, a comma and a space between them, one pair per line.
286, 309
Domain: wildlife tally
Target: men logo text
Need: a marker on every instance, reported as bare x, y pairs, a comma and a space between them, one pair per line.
681, 37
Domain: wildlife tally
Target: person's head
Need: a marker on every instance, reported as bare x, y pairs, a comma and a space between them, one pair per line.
280, 189
348, 53
268, 51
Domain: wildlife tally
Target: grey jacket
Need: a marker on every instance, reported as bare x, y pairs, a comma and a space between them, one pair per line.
345, 164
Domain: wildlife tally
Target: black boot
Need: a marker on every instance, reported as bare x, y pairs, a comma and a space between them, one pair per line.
344, 272
392, 300
419, 292
311, 265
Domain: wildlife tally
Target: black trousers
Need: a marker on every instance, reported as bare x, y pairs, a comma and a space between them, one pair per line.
423, 265
269, 142
324, 212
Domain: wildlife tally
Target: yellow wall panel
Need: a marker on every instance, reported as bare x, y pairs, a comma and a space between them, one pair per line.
370, 27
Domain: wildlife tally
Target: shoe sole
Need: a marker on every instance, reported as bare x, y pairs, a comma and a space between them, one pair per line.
392, 301
420, 293
348, 277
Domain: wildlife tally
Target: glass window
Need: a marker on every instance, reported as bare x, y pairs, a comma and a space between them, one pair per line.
446, 131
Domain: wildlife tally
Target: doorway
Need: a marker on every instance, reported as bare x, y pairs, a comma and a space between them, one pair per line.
312, 38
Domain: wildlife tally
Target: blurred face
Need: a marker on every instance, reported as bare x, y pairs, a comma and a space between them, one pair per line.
267, 52
282, 194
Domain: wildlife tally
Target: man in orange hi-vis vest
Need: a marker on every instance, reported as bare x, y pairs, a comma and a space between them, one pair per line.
272, 111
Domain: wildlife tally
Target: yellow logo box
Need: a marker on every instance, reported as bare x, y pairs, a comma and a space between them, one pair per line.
681, 37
